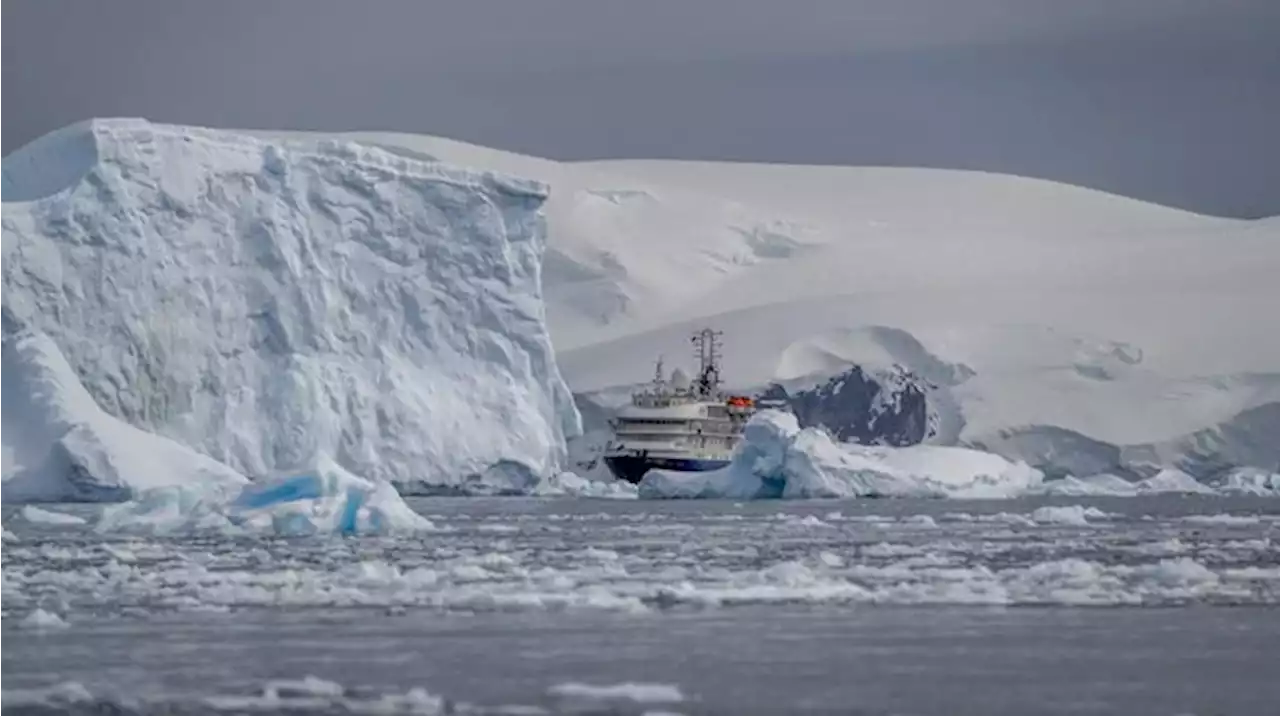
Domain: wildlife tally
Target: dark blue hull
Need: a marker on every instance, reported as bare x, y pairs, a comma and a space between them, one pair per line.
632, 468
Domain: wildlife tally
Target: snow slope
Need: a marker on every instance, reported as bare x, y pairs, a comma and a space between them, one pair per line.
1076, 329
273, 307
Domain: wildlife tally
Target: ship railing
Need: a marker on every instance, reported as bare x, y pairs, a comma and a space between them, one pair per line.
672, 434
673, 431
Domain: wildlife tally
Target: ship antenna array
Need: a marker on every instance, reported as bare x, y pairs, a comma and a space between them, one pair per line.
707, 346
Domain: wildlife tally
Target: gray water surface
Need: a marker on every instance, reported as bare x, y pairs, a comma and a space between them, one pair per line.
1160, 605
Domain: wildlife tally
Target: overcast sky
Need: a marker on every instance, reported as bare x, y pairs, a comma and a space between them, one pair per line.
1176, 101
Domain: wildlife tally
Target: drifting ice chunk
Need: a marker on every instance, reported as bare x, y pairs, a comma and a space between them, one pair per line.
328, 500
571, 484
1094, 485
778, 459
34, 514
1076, 515
40, 619
600, 695
1171, 480
1251, 481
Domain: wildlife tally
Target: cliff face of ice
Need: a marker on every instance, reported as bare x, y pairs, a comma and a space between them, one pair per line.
270, 305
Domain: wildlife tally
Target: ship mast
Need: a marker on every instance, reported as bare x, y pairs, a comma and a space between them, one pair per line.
707, 349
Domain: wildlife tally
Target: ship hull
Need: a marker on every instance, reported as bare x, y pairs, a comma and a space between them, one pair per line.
632, 468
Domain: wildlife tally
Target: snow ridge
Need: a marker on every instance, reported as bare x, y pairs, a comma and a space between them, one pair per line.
271, 305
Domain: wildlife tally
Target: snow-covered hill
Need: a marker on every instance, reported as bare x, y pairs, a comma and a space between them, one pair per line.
274, 307
1064, 325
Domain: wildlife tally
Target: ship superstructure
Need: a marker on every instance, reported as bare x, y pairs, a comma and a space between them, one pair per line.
678, 423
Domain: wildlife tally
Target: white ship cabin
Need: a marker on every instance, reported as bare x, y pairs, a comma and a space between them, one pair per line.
679, 418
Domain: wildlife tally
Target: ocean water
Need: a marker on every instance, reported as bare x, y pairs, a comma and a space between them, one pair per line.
1151, 605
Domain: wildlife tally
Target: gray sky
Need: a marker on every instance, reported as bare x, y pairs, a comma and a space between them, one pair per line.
1175, 101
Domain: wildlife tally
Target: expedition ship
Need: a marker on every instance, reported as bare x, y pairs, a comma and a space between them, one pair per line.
679, 424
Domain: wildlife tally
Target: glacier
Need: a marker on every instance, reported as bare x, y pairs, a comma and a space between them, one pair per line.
261, 307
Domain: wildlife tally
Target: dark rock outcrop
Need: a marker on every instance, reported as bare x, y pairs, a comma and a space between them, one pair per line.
871, 408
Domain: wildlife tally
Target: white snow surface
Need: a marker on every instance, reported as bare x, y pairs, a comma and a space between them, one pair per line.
269, 306
777, 459
1068, 327
325, 501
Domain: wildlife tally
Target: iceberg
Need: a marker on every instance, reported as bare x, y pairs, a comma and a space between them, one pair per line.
570, 484
35, 515
1174, 481
264, 302
1074, 515
778, 459
40, 620
325, 501
1101, 485
1250, 481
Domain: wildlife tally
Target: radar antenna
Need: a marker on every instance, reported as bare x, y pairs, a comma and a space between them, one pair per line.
707, 349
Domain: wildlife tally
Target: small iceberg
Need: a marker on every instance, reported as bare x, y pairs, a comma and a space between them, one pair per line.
778, 459
571, 484
1074, 515
40, 620
1251, 481
1171, 480
327, 500
1101, 485
35, 515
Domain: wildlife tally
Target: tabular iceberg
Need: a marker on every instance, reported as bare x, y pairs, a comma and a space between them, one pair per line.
269, 304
